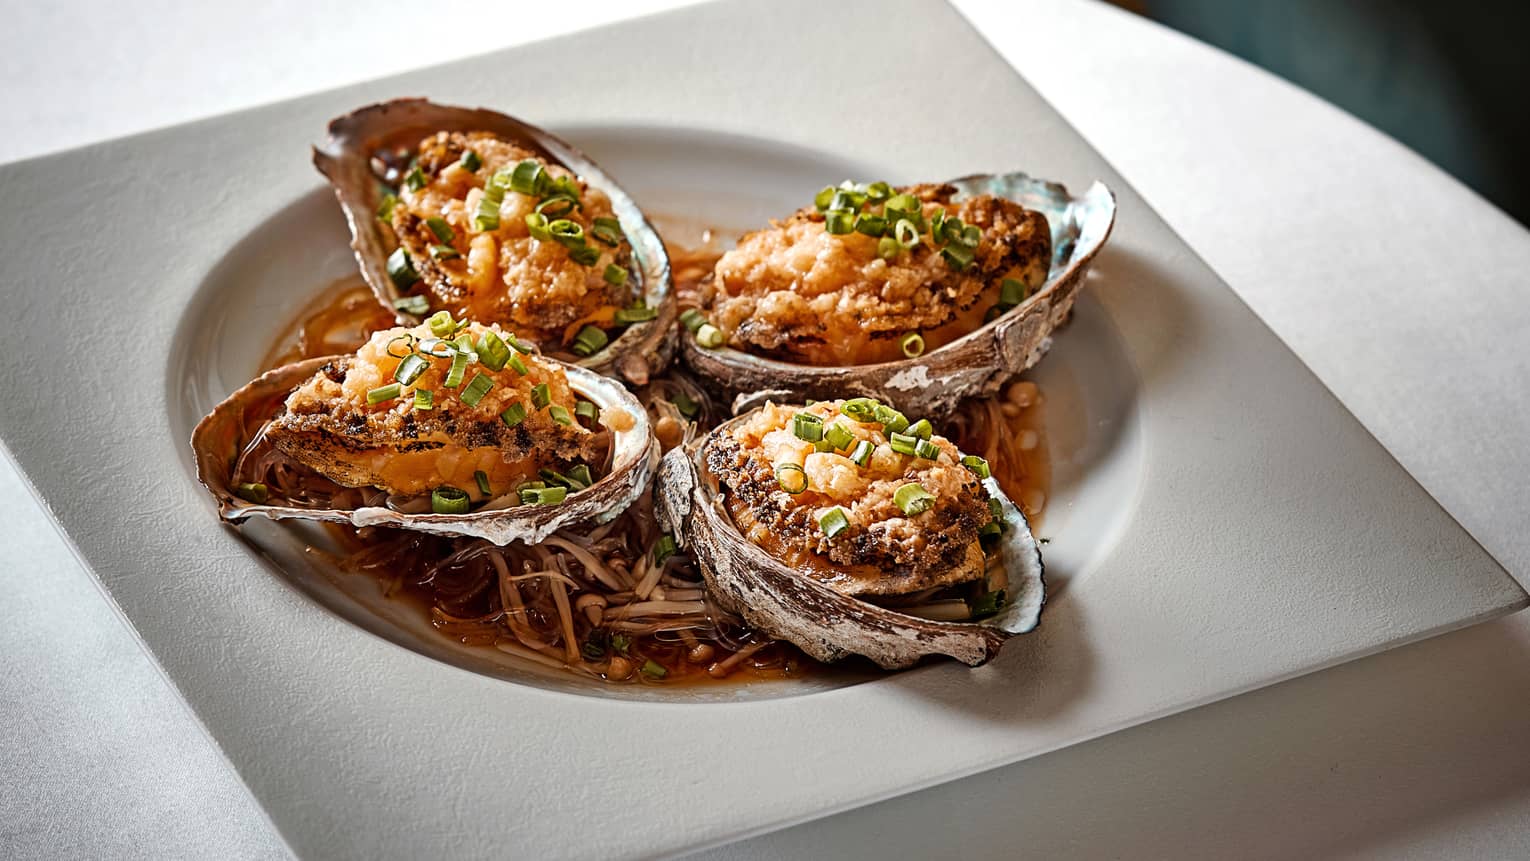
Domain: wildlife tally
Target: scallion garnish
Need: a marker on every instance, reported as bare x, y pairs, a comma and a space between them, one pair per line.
513, 415
653, 669
443, 252
807, 426
559, 414
839, 223
888, 248
424, 399
592, 651
986, 604
536, 222
616, 276
903, 443
482, 478
687, 407
791, 478
410, 368
692, 319
441, 324
957, 257
458, 369
556, 205
977, 465
906, 233
408, 340
912, 344
927, 450
440, 228
471, 163
543, 495
584, 255
921, 429
996, 508
449, 500
415, 305
620, 642
492, 350
517, 346
892, 420
664, 548
904, 202
528, 177
253, 491
401, 269
515, 364
870, 225
567, 233
878, 192
580, 477
476, 389
862, 454
709, 336
636, 313
487, 215
913, 499
540, 396
860, 409
847, 200
1011, 293
971, 237
587, 410
822, 199
383, 393
589, 341
833, 522
838, 436
607, 230
414, 180
385, 207
988, 536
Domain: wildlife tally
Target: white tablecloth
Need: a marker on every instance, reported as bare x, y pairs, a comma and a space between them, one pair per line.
1400, 288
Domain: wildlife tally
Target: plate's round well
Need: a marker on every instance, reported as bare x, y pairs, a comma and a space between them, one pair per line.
732, 184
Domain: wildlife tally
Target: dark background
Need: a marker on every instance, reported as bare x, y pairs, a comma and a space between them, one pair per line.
1451, 80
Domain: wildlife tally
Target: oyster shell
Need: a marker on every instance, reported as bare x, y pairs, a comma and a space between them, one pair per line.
222, 434
825, 623
976, 364
345, 157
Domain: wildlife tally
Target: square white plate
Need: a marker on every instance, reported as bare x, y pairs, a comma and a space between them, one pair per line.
1219, 522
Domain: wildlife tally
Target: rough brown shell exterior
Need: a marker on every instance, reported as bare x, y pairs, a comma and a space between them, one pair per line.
823, 623
642, 350
223, 433
974, 365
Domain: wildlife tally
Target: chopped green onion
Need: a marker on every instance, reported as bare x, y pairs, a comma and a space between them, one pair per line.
862, 453
543, 495
415, 305
448, 500
904, 202
653, 669
464, 343
913, 499
443, 252
685, 405
513, 415
807, 426
996, 508
922, 429
791, 478
592, 651
607, 230
584, 255
536, 222
589, 341
385, 207
878, 192
822, 199
253, 491
957, 257
927, 450
564, 185
486, 217
839, 223
1012, 293
847, 200
709, 336
871, 225
988, 536
492, 350
823, 445
906, 233
888, 248
903, 443
471, 163
458, 369
517, 345
560, 414
912, 344
971, 237
992, 314
664, 548
616, 276
892, 420
557, 205
554, 478
540, 397
579, 475
414, 180
839, 436
410, 368
860, 409
517, 365
587, 410
635, 314
441, 324
949, 228
401, 269
483, 481
833, 522
476, 389
383, 393
620, 642
440, 228
977, 465
986, 604
567, 233
528, 177
692, 319
408, 340
424, 399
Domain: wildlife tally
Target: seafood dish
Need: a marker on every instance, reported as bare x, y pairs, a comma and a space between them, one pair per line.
570, 444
